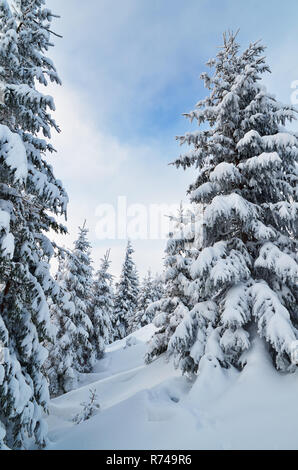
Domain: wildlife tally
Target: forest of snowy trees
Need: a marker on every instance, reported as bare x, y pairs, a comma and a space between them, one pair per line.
231, 262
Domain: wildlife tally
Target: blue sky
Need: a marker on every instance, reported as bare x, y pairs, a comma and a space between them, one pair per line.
130, 68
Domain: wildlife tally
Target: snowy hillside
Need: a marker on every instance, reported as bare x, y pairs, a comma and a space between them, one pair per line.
153, 407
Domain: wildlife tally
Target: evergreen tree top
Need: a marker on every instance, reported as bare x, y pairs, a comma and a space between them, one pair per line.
235, 92
105, 263
82, 243
129, 269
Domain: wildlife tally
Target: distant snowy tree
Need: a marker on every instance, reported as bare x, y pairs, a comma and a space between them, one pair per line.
151, 290
244, 280
30, 200
169, 311
126, 295
76, 275
158, 287
102, 308
59, 366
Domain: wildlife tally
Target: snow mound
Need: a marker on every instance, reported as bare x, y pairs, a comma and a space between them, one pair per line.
154, 407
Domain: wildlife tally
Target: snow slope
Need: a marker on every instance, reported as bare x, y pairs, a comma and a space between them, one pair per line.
153, 407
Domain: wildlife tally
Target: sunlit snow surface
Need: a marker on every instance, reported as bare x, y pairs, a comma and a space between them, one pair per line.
153, 407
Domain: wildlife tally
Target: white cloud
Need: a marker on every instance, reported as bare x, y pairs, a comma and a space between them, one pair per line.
91, 154
96, 168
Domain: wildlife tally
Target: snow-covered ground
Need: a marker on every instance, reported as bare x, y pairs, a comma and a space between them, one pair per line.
153, 407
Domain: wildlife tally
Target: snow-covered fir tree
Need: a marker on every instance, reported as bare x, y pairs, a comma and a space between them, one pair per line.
126, 295
244, 280
169, 311
151, 290
158, 287
102, 308
30, 200
59, 366
90, 408
76, 276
